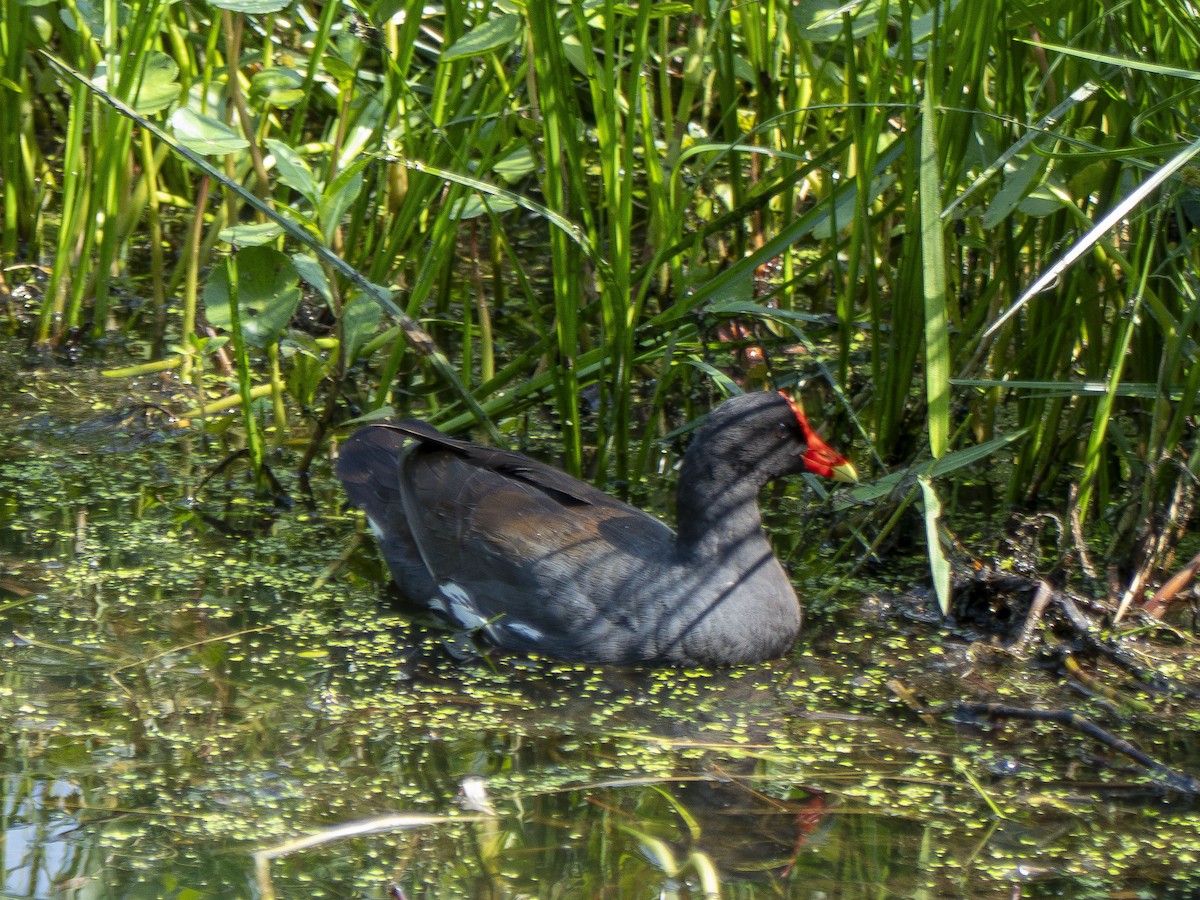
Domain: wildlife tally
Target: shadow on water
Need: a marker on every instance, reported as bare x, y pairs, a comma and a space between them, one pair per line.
178, 696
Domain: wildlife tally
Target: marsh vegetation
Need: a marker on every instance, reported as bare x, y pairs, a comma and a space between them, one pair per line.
962, 232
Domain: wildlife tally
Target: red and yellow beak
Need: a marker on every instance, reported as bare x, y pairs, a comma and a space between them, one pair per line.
820, 458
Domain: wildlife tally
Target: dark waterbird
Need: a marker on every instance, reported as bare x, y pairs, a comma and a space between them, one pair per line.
538, 561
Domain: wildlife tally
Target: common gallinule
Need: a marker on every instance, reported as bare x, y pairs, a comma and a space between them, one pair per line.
538, 561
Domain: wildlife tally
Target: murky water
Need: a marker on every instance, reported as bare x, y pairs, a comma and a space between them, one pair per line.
207, 696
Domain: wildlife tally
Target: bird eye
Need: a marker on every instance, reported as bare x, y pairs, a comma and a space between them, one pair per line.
782, 430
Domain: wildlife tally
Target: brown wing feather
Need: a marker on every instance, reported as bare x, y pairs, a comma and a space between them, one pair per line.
525, 542
515, 465
484, 525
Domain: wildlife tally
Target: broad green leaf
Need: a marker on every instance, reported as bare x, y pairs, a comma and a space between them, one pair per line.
91, 14
516, 165
340, 70
337, 199
278, 86
251, 235
294, 171
493, 34
159, 85
846, 206
1088, 180
922, 26
363, 133
1017, 181
360, 319
1041, 202
202, 134
472, 206
821, 20
268, 294
312, 273
574, 53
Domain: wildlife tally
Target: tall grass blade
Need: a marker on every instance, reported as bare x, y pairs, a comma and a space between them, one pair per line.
1119, 212
933, 259
939, 565
413, 332
242, 359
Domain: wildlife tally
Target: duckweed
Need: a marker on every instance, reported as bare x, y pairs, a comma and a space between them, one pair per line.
178, 695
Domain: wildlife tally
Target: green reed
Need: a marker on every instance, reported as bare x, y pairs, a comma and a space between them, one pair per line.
572, 197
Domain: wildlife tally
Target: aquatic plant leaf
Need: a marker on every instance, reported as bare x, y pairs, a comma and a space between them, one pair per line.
202, 134
339, 70
251, 235
952, 461
933, 282
516, 165
157, 88
88, 14
1018, 180
278, 86
293, 171
821, 20
492, 35
923, 27
312, 273
252, 7
338, 198
360, 319
657, 11
1096, 233
1043, 201
473, 206
268, 294
939, 566
1124, 62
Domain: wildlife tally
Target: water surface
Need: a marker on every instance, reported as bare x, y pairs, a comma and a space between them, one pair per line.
193, 676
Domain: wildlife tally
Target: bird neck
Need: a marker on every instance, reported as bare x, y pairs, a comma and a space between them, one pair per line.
717, 516
741, 606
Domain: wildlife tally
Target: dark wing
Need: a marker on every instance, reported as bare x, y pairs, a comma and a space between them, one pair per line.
547, 479
369, 468
539, 560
